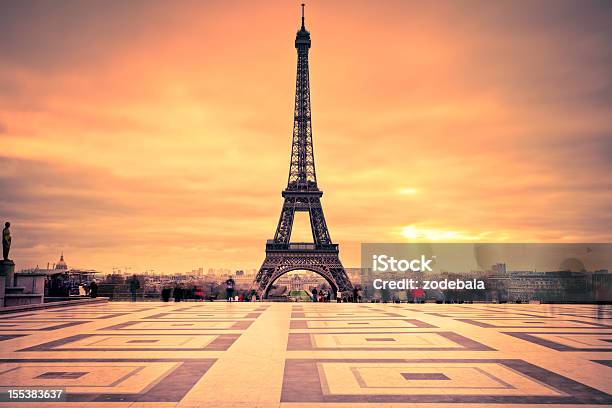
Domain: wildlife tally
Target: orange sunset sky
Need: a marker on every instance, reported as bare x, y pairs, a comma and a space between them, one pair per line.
156, 134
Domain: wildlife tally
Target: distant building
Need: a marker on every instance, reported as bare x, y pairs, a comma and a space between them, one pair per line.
298, 281
555, 286
499, 268
61, 265
62, 281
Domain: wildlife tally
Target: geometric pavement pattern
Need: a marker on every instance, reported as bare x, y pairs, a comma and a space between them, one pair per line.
151, 354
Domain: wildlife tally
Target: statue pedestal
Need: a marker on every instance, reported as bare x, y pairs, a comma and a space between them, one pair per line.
2, 290
7, 268
7, 278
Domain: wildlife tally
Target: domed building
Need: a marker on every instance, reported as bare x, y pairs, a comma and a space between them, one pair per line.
61, 265
62, 281
572, 265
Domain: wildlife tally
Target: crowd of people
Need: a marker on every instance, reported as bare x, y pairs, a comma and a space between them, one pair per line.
61, 285
323, 295
320, 295
181, 292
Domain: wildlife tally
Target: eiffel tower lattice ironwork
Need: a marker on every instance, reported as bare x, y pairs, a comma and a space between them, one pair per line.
302, 194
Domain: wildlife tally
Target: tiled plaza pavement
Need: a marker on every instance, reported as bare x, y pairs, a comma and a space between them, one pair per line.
312, 355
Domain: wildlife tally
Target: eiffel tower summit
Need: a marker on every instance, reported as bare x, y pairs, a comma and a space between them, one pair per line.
302, 194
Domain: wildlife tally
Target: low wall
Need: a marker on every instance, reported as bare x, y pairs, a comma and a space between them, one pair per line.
25, 308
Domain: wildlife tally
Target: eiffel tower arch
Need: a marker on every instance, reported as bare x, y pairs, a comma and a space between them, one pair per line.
302, 194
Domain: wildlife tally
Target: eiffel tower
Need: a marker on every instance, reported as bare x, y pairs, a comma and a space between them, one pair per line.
302, 194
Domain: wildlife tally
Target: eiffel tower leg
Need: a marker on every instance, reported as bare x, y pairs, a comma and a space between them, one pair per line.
285, 223
320, 232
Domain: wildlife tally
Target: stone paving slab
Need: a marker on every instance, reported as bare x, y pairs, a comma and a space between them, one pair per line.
123, 354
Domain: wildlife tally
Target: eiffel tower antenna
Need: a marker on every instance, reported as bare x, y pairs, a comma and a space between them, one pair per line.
302, 194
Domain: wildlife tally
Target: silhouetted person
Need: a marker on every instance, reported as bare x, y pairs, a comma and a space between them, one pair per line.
229, 288
314, 294
93, 289
65, 285
165, 294
187, 292
198, 293
178, 293
6, 241
134, 286
355, 293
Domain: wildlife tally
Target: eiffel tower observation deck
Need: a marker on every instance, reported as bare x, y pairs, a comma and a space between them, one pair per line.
302, 194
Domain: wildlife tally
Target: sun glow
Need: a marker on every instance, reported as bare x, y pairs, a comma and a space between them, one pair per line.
408, 191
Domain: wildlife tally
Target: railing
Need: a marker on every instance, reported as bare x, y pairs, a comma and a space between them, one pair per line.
299, 246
